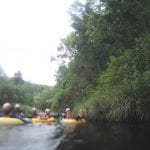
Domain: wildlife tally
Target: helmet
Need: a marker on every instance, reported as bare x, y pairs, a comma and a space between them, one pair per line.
67, 109
47, 110
7, 107
33, 109
17, 106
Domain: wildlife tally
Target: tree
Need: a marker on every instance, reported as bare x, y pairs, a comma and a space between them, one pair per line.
18, 78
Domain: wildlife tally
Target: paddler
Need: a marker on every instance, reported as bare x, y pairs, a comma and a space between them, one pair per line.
18, 112
46, 114
68, 114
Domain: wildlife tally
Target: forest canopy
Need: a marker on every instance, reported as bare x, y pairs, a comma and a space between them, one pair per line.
109, 68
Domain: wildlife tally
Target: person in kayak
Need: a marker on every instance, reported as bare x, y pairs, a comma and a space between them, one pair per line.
47, 114
82, 114
18, 112
34, 113
7, 110
68, 114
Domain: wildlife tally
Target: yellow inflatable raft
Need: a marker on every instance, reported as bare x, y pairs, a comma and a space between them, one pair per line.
39, 120
10, 121
73, 121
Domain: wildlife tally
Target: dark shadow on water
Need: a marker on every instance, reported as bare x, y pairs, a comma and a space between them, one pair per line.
108, 136
91, 136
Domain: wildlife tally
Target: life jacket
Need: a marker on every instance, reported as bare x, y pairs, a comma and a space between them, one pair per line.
46, 116
69, 116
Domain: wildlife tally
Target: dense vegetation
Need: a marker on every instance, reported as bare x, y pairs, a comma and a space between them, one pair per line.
16, 90
109, 52
109, 69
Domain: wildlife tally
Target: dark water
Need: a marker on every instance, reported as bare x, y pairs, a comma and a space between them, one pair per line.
102, 136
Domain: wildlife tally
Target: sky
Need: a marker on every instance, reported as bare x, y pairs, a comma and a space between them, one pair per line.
30, 32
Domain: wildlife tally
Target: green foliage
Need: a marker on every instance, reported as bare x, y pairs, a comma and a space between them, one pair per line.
123, 90
109, 67
24, 93
62, 92
41, 99
18, 78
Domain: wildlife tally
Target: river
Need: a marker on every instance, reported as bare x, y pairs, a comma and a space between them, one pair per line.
101, 136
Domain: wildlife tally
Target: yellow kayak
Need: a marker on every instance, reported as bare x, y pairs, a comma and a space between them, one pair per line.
73, 121
39, 120
10, 121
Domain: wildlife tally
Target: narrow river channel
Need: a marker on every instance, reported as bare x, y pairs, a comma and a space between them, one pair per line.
101, 136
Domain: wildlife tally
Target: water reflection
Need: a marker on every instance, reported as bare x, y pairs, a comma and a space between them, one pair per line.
102, 136
108, 136
36, 137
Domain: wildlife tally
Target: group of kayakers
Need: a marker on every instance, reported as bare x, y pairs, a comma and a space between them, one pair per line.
35, 114
15, 112
8, 111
